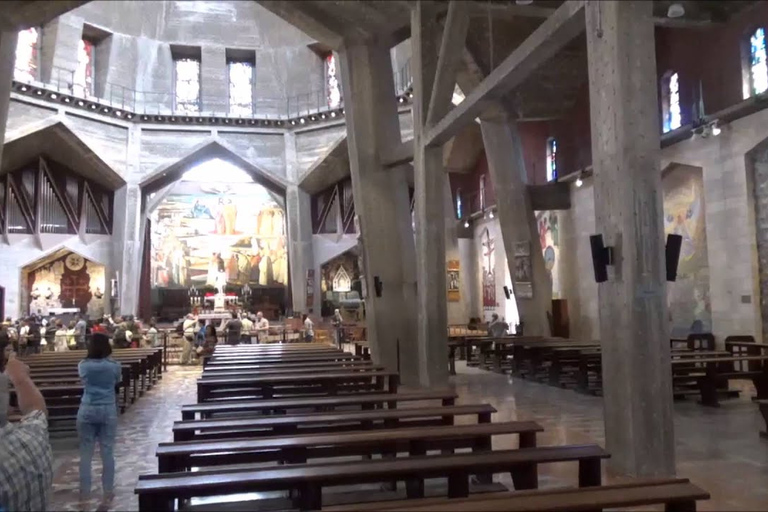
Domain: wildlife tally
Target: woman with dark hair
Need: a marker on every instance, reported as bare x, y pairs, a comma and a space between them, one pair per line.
97, 416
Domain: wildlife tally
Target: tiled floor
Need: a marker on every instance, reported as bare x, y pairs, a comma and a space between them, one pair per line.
719, 449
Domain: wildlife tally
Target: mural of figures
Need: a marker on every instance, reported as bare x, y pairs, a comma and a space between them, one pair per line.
214, 234
488, 258
549, 237
684, 214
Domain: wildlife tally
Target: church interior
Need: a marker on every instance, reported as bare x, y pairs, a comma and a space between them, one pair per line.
457, 255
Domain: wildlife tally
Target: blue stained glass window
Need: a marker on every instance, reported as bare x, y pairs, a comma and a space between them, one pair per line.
673, 118
551, 159
459, 212
758, 64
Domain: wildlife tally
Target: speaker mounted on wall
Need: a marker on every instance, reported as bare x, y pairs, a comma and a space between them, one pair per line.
672, 255
507, 292
602, 256
378, 286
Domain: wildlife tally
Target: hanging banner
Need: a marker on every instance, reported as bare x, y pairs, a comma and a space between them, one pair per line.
452, 281
523, 286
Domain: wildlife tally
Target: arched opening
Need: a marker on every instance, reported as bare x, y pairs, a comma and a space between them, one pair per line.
215, 226
341, 286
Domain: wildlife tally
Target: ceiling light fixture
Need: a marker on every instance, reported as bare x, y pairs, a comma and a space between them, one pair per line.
302, 120
129, 116
466, 223
94, 106
579, 182
80, 103
118, 113
675, 10
66, 99
333, 114
293, 122
323, 116
23, 88
39, 92
54, 95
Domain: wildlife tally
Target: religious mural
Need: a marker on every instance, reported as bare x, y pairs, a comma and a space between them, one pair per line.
453, 281
684, 215
488, 258
548, 226
66, 280
205, 234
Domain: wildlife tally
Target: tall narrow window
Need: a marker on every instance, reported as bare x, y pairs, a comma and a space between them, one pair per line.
332, 82
670, 94
240, 88
551, 159
482, 193
83, 79
758, 67
25, 69
459, 206
187, 85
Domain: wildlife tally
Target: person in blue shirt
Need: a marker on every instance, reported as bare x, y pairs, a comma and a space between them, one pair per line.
97, 416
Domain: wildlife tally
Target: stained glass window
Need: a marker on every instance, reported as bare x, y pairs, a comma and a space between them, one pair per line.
241, 88
83, 79
25, 69
187, 85
332, 82
459, 212
671, 91
758, 65
551, 159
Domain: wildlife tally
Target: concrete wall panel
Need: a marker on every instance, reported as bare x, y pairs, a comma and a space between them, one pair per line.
21, 114
108, 141
312, 145
165, 146
264, 150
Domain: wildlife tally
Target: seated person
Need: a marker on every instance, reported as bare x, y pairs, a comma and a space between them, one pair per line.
497, 328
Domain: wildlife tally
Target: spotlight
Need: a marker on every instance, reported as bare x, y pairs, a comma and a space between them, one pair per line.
293, 122
675, 10
173, 119
342, 111
188, 119
333, 114
227, 121
410, 94
401, 99
129, 116
54, 95
252, 121
302, 120
579, 182
278, 123
80, 103
39, 92
199, 119
312, 118
94, 106
716, 129
158, 118
466, 223
490, 214
266, 122
118, 113
239, 121
66, 99
23, 88
322, 116
105, 110
145, 118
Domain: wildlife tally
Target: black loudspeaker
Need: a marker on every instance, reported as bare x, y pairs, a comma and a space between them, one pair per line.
600, 258
507, 292
672, 255
378, 286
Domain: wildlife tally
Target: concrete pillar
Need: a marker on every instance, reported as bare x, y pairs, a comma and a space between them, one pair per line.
7, 59
59, 49
637, 388
516, 218
429, 181
126, 256
372, 130
298, 210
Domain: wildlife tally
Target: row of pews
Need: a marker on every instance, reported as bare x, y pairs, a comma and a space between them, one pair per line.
300, 419
56, 375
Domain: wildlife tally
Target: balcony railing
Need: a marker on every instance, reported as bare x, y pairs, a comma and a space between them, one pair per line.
154, 103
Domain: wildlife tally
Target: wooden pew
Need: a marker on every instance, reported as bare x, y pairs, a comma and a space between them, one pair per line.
173, 457
678, 494
255, 368
272, 370
364, 401
715, 374
322, 383
336, 421
158, 492
277, 359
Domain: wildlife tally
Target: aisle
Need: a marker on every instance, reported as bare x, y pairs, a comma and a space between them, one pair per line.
146, 423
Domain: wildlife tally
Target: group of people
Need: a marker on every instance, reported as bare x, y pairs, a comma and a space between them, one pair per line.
34, 334
26, 459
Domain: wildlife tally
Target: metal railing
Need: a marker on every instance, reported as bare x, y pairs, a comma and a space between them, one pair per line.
163, 103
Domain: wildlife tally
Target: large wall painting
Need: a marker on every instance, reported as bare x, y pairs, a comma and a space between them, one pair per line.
548, 225
203, 232
488, 258
685, 215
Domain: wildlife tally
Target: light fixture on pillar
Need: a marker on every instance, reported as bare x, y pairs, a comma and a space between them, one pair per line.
675, 10
579, 182
466, 223
716, 128
490, 214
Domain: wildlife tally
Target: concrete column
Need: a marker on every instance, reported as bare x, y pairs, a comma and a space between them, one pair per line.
516, 217
59, 49
372, 130
126, 256
214, 80
299, 213
7, 59
628, 213
429, 181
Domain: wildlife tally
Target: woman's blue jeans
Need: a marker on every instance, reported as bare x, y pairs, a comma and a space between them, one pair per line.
97, 423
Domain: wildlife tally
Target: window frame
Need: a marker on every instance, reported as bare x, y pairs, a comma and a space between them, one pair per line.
252, 64
551, 170
183, 57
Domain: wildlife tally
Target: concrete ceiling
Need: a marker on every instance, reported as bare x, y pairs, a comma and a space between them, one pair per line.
20, 14
62, 146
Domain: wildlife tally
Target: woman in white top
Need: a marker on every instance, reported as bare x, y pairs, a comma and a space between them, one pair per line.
309, 330
60, 338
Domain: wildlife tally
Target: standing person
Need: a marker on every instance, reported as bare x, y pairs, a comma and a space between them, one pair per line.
188, 328
497, 328
247, 328
262, 327
60, 337
338, 321
152, 335
71, 336
97, 416
309, 330
234, 330
33, 336
26, 459
209, 345
80, 326
24, 337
